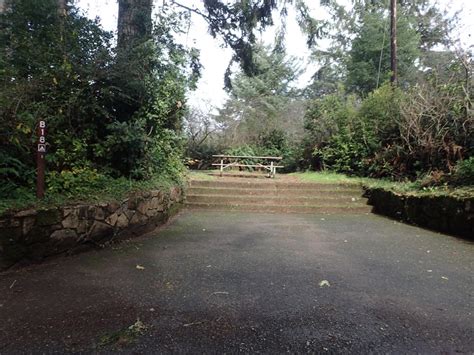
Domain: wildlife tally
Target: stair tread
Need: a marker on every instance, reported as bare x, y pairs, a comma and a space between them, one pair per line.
279, 187
275, 197
266, 184
285, 209
278, 206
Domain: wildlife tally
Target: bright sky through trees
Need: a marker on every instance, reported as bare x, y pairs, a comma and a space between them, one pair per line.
215, 58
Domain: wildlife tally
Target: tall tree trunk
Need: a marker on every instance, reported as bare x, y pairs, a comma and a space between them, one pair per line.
134, 22
2, 6
62, 7
393, 40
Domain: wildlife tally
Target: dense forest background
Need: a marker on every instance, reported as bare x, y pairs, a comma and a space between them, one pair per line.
350, 119
116, 110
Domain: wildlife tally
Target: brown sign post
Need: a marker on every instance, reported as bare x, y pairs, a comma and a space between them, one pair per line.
40, 159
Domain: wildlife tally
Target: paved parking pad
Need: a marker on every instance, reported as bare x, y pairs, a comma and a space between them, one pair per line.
250, 282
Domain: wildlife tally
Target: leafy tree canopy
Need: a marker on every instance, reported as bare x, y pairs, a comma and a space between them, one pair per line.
368, 64
260, 103
237, 22
360, 37
115, 112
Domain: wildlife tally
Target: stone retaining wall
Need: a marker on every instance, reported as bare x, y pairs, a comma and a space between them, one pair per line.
445, 214
34, 234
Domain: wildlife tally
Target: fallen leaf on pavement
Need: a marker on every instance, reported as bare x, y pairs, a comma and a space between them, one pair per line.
220, 293
139, 267
138, 327
324, 283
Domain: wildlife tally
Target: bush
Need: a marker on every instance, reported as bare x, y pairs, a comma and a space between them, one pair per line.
342, 154
244, 150
115, 113
13, 173
464, 172
334, 134
75, 182
393, 134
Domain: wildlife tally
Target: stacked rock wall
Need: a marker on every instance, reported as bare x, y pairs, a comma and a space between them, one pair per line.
447, 214
34, 234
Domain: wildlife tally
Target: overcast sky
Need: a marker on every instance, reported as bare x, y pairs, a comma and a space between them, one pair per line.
215, 58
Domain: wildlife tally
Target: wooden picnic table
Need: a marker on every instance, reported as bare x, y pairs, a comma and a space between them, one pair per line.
229, 161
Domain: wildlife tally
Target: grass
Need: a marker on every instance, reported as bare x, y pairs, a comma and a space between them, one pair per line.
124, 337
414, 188
106, 190
325, 177
201, 175
408, 187
117, 189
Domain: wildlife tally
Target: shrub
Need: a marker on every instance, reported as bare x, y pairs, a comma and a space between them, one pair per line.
464, 172
119, 113
395, 134
244, 150
75, 182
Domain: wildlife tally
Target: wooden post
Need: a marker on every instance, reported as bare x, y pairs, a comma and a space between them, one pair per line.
222, 166
271, 169
393, 41
40, 159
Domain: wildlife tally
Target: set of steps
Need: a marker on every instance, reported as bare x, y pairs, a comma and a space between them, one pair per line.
269, 195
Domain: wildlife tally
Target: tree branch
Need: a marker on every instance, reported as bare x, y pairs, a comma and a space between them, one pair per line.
196, 11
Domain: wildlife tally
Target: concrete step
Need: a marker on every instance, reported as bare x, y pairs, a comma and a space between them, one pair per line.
278, 200
281, 209
271, 185
241, 174
273, 195
231, 191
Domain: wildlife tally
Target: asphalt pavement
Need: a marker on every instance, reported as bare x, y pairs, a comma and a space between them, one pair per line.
224, 282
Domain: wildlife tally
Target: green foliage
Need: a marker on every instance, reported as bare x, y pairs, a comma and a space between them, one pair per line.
145, 140
413, 188
258, 104
237, 21
419, 130
371, 50
265, 111
124, 337
200, 156
327, 116
276, 143
244, 150
331, 124
326, 177
13, 172
108, 114
75, 182
419, 134
51, 68
345, 156
85, 185
464, 172
347, 136
360, 41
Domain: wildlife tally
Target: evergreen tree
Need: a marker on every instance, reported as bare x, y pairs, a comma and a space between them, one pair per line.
368, 64
259, 104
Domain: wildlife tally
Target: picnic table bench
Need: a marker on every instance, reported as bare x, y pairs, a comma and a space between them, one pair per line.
230, 161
